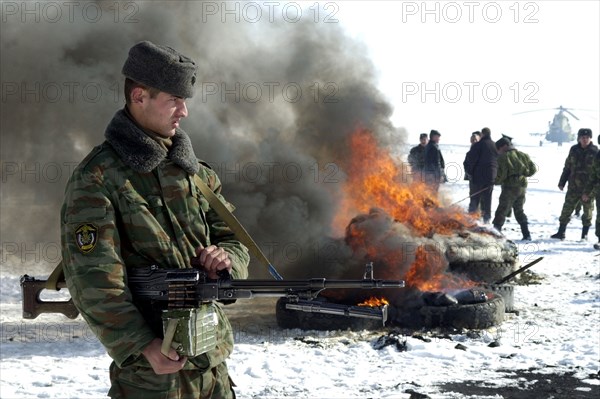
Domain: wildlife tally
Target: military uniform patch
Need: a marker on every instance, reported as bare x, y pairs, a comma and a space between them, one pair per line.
86, 237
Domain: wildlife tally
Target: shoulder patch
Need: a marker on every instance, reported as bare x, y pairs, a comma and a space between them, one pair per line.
86, 237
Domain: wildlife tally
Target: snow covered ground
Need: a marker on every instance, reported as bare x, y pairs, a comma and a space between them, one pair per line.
555, 332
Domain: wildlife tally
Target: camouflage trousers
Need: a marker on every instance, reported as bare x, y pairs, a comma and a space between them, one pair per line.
140, 382
511, 197
598, 216
571, 200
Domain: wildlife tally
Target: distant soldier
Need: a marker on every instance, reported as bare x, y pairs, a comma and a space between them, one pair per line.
576, 172
416, 156
591, 189
433, 172
514, 167
482, 165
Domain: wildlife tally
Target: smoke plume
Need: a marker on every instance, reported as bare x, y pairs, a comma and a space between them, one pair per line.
276, 102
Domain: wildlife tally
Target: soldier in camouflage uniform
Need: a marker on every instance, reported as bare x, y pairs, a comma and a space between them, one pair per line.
576, 172
591, 189
514, 167
133, 202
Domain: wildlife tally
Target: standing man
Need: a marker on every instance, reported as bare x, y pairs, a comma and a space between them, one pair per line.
482, 165
593, 188
416, 157
434, 162
514, 167
475, 137
133, 202
577, 170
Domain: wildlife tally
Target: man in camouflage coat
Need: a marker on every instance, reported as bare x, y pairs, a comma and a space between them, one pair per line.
591, 189
576, 172
514, 167
133, 202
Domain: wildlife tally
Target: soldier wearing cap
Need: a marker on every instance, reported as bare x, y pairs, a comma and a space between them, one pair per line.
591, 190
133, 202
514, 167
576, 172
416, 156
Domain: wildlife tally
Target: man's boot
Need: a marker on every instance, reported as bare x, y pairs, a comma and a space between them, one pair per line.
525, 231
597, 245
498, 227
560, 235
584, 232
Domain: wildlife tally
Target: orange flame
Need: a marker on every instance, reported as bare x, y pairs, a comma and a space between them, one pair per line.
428, 273
375, 180
374, 302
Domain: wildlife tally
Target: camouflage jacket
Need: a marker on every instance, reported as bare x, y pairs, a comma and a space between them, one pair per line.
514, 167
593, 184
131, 203
578, 166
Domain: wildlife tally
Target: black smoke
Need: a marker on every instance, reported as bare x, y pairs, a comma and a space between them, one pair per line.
276, 102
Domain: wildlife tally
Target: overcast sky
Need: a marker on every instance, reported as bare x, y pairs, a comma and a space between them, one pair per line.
459, 66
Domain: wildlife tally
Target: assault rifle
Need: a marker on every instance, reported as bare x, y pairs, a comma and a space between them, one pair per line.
187, 288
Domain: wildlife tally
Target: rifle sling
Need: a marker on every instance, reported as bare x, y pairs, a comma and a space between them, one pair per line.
223, 212
235, 226
57, 275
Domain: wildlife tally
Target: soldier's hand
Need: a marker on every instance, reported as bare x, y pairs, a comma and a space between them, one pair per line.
213, 259
585, 198
160, 363
561, 187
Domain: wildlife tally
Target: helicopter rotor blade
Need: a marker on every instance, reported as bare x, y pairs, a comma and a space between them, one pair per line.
570, 113
534, 110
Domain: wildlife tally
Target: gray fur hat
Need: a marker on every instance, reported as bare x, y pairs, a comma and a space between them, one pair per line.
161, 67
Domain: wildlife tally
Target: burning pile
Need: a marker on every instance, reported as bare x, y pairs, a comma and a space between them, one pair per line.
401, 226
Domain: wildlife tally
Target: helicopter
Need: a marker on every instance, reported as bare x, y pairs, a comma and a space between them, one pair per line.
559, 130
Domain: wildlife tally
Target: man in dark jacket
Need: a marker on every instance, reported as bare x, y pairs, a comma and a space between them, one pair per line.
434, 162
416, 157
475, 137
576, 172
482, 166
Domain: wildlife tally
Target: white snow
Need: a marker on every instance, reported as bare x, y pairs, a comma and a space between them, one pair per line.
555, 331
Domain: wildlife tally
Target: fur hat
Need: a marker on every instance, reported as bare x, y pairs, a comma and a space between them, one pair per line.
584, 132
162, 68
502, 142
422, 136
434, 133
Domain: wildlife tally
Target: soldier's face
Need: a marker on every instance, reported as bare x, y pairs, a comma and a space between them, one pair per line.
162, 113
585, 141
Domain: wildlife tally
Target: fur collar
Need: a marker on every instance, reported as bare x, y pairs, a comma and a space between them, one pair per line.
142, 153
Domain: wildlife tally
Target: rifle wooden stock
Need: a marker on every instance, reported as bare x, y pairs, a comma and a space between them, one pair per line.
33, 305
